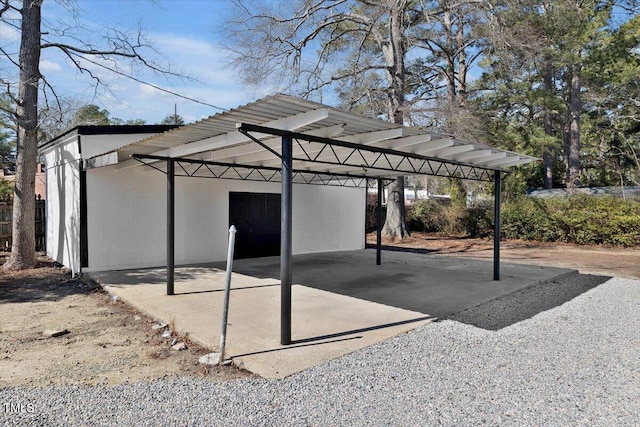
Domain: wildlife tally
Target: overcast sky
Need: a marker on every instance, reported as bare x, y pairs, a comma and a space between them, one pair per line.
184, 31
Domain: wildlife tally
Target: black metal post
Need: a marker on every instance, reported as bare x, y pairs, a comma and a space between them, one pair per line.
366, 210
496, 225
170, 225
285, 241
379, 224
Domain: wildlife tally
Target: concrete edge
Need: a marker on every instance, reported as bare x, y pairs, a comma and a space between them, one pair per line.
148, 314
537, 283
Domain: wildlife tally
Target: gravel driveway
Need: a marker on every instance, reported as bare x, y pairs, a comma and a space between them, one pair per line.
575, 364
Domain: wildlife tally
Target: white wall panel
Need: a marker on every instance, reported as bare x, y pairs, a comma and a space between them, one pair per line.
63, 204
93, 145
327, 218
127, 218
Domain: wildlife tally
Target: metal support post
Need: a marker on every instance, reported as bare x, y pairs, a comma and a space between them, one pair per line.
170, 225
285, 241
379, 224
227, 291
496, 225
366, 210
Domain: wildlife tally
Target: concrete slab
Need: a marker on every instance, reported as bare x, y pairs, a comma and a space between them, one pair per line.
341, 301
431, 284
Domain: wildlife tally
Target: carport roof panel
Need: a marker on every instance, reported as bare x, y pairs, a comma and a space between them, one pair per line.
217, 137
276, 107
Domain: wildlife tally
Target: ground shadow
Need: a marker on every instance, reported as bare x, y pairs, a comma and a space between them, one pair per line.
361, 330
233, 290
271, 350
434, 286
401, 249
333, 338
33, 286
525, 303
156, 275
444, 251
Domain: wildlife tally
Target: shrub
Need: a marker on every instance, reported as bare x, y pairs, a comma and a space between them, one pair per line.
427, 215
577, 219
478, 220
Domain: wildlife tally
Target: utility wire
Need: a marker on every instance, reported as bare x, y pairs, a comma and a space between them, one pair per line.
135, 79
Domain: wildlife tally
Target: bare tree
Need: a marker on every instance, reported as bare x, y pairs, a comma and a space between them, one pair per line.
118, 44
322, 43
360, 49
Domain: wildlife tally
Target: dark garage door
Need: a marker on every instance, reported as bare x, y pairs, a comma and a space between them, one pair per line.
257, 219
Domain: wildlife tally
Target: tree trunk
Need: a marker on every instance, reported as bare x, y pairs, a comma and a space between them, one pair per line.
462, 64
547, 153
394, 51
394, 225
23, 249
574, 128
450, 54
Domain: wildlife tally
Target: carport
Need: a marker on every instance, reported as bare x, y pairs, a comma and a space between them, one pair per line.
291, 140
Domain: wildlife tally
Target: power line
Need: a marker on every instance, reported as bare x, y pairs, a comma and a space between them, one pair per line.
135, 79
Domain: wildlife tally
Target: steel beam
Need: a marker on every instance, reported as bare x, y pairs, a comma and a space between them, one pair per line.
496, 225
246, 128
286, 241
170, 225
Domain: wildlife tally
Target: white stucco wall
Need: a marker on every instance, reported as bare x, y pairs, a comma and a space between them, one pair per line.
63, 203
127, 218
62, 162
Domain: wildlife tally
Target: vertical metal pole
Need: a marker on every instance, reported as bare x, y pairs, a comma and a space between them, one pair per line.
496, 225
227, 291
366, 210
379, 224
285, 241
170, 225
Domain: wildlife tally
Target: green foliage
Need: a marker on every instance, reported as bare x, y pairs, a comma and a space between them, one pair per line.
91, 115
458, 193
578, 219
525, 90
372, 216
6, 188
477, 220
172, 119
435, 216
427, 215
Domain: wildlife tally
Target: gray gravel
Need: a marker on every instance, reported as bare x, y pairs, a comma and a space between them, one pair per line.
575, 364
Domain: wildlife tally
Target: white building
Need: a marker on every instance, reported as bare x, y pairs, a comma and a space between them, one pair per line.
111, 218
147, 196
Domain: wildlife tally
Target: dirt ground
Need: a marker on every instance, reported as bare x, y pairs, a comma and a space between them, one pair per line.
613, 262
110, 342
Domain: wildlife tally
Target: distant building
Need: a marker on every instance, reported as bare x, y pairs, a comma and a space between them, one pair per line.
41, 180
622, 192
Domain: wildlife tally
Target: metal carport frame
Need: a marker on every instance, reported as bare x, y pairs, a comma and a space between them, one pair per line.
292, 140
286, 174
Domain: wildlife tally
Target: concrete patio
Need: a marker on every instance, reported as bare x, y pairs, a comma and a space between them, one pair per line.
342, 301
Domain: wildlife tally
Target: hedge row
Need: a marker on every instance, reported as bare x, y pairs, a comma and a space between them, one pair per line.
578, 219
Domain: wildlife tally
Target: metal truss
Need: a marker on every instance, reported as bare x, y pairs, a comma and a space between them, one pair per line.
219, 170
323, 151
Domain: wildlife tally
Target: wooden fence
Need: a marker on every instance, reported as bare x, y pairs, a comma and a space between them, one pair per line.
6, 220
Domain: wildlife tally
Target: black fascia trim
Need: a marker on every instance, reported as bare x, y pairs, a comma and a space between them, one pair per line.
111, 130
84, 231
